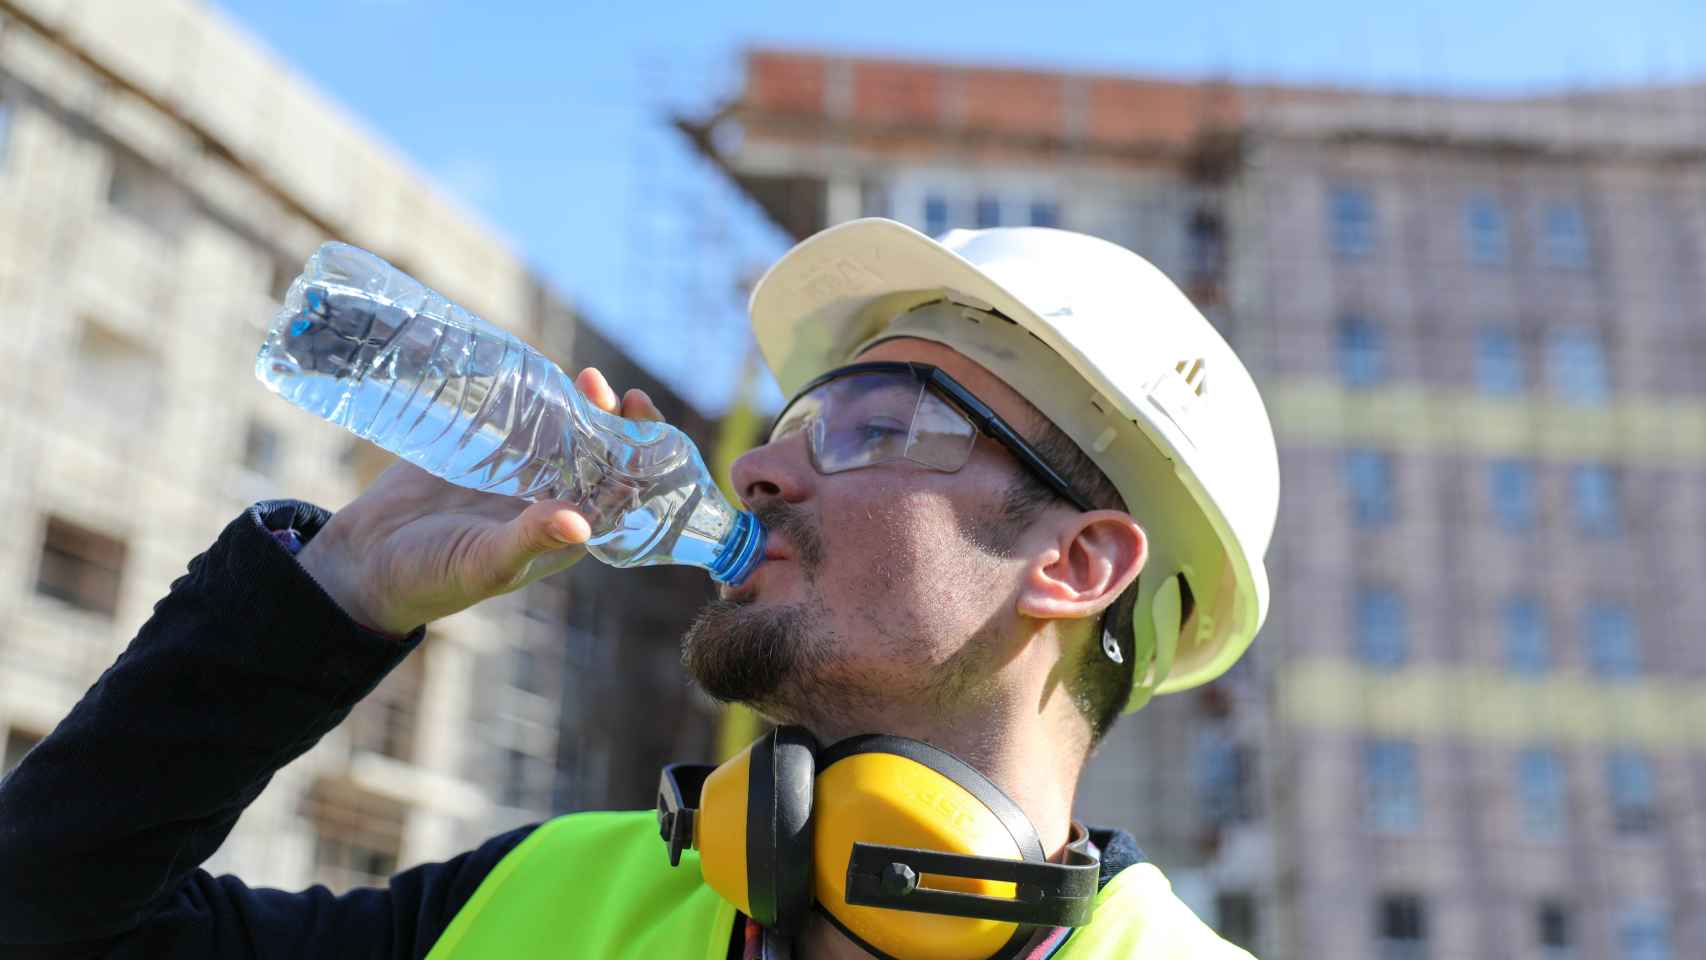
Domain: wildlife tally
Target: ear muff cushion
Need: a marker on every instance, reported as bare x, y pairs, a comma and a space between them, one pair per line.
779, 829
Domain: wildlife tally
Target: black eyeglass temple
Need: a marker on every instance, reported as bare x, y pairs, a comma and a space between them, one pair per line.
991, 425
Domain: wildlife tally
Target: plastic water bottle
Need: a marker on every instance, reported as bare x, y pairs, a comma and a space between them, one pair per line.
373, 350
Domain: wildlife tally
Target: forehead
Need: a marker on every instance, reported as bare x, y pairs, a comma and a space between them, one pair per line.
986, 386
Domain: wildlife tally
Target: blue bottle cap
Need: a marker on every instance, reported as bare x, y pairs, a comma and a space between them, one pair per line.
741, 552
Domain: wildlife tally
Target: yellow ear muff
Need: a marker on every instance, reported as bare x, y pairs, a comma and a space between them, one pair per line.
719, 829
753, 829
902, 793
907, 849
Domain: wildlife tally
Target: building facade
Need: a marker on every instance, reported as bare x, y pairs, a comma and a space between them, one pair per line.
1472, 726
156, 199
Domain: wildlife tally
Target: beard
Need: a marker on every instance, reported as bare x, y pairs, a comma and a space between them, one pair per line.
743, 654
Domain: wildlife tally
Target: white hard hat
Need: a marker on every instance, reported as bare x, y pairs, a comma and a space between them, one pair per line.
1106, 347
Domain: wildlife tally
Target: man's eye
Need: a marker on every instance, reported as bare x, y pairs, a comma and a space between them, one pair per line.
881, 429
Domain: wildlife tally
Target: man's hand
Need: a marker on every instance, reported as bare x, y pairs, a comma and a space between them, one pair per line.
413, 548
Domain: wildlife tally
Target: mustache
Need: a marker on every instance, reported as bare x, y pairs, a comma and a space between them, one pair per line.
795, 525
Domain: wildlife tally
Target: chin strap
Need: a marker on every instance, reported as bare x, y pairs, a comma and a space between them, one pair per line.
1167, 612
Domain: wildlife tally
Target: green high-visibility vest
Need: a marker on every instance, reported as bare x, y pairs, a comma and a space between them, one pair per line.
600, 885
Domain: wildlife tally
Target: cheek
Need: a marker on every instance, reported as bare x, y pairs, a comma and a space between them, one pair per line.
900, 556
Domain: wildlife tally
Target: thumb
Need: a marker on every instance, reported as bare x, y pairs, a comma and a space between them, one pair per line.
543, 527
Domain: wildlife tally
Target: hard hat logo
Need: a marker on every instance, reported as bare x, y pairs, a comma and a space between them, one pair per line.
1114, 354
1195, 373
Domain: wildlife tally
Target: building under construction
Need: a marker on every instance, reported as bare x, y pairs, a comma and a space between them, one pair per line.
156, 199
1475, 723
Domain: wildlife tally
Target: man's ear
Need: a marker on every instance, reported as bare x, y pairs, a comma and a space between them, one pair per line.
1091, 560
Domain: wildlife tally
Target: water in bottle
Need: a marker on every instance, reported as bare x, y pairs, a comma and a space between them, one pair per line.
373, 350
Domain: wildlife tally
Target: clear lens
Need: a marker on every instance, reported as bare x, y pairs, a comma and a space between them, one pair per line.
942, 437
869, 418
866, 420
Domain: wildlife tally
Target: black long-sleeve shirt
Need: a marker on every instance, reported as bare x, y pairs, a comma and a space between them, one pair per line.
243, 667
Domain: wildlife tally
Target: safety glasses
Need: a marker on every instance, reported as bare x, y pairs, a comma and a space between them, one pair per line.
870, 413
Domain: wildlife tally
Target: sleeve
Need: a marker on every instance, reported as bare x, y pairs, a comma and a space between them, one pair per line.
243, 667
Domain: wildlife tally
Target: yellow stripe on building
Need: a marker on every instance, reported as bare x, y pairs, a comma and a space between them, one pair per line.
1480, 704
1411, 419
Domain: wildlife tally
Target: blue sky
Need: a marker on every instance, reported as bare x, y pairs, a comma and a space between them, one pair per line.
543, 117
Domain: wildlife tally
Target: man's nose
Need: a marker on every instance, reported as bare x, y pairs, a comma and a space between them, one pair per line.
779, 469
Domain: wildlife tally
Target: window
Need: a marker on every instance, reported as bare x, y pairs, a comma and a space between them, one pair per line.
1575, 364
935, 214
1486, 233
147, 196
1368, 475
1235, 917
1512, 492
1045, 213
1391, 789
1204, 251
1643, 933
1541, 784
358, 835
1402, 927
5, 128
1498, 363
1351, 221
1564, 236
1613, 647
1555, 933
352, 861
988, 211
260, 448
384, 721
524, 664
280, 278
513, 791
1224, 778
1593, 489
129, 377
1528, 648
80, 567
18, 743
1362, 352
1634, 792
1382, 628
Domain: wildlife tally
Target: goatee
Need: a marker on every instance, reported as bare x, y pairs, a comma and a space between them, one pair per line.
742, 654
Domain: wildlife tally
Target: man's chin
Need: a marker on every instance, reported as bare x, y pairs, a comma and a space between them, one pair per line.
742, 652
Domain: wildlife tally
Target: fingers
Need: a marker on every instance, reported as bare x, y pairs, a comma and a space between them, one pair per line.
544, 529
636, 405
597, 389
554, 525
544, 526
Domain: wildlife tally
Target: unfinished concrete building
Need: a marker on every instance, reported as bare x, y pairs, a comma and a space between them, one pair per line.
1473, 725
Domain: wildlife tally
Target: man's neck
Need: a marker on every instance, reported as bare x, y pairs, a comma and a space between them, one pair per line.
1020, 751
